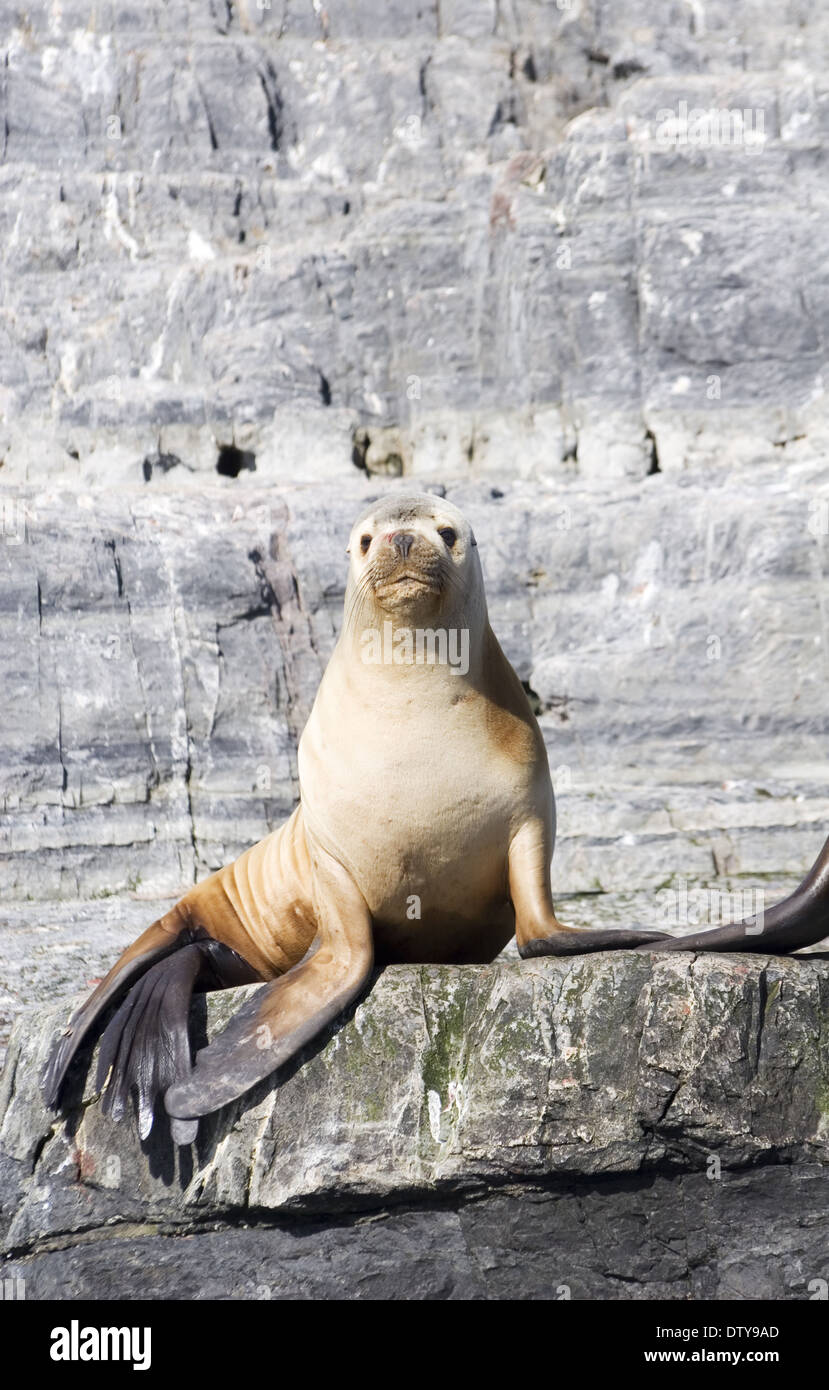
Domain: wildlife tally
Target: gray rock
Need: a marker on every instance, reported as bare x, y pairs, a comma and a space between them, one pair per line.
493, 232
630, 1119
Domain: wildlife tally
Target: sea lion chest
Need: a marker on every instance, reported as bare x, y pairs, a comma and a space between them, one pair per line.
407, 783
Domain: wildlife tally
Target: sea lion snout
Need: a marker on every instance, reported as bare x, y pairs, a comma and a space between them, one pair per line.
402, 542
405, 563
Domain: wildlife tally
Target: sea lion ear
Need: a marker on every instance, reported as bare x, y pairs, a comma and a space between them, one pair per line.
472, 540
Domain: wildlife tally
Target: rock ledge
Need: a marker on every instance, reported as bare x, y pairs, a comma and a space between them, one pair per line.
612, 1126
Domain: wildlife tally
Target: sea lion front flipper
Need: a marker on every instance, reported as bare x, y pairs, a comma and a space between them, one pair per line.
801, 919
279, 1019
537, 929
579, 941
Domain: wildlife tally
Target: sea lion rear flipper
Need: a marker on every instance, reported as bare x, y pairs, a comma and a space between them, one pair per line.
158, 941
146, 1045
215, 967
801, 919
271, 1027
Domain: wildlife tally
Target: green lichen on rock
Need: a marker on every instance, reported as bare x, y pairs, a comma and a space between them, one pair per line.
450, 996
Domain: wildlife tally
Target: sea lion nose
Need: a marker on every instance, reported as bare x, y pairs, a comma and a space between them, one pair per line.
402, 542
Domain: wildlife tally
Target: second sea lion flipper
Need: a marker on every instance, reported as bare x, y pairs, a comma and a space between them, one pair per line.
146, 1045
272, 1026
579, 941
801, 919
158, 941
266, 1032
168, 961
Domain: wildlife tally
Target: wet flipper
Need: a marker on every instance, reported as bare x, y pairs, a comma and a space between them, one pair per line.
800, 920
145, 1047
264, 1034
538, 932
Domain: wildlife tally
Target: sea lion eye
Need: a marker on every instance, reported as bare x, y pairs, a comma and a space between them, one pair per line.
365, 542
448, 534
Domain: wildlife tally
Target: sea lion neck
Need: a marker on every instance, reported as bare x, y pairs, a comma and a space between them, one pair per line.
403, 657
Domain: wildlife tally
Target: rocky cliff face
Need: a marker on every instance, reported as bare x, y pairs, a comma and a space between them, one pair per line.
607, 1127
262, 263
287, 237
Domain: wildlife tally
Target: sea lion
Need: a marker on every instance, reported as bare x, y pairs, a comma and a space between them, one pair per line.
424, 832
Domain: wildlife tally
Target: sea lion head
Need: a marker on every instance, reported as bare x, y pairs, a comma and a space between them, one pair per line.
412, 557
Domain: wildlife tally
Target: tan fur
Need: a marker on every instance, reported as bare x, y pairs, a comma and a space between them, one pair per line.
425, 832
426, 820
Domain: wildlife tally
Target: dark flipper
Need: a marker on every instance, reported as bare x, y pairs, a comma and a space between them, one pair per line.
538, 932
574, 941
267, 1031
159, 940
800, 920
271, 1027
145, 1046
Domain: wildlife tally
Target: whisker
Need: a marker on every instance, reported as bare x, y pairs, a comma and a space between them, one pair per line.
358, 599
